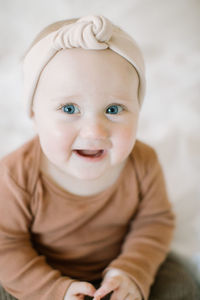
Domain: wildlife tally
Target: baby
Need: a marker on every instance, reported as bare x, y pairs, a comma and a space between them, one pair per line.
84, 209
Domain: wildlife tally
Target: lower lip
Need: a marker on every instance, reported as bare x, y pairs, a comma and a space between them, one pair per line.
91, 158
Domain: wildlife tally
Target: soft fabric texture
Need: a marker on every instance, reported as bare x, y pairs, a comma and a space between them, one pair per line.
89, 33
52, 237
173, 282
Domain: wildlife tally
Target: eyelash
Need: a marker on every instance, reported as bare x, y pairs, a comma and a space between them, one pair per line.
61, 107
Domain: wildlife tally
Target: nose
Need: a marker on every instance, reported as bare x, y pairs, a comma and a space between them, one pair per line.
94, 128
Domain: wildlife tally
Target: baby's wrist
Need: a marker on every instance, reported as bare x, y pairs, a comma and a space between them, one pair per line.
114, 272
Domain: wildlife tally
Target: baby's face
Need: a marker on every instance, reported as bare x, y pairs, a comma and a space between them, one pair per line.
86, 111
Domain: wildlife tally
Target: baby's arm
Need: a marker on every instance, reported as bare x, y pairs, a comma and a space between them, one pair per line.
147, 243
23, 272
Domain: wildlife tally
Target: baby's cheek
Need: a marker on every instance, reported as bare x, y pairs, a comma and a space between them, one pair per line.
57, 141
124, 142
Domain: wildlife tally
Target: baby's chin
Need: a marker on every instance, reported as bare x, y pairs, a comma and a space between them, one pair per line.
87, 175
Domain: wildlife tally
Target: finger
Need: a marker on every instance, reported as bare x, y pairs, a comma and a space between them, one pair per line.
115, 296
119, 294
85, 288
79, 297
76, 297
132, 297
129, 297
108, 285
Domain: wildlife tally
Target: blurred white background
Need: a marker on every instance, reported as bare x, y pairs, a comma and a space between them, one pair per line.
169, 36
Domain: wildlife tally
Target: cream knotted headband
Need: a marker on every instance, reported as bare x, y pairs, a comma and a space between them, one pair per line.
90, 32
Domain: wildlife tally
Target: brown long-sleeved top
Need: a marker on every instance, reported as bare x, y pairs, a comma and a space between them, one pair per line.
49, 237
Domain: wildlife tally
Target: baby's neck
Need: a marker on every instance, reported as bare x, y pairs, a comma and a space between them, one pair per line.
81, 187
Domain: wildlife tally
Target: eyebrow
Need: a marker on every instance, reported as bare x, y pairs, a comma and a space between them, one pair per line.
65, 97
123, 99
75, 97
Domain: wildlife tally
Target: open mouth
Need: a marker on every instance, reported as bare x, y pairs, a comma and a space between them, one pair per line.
89, 153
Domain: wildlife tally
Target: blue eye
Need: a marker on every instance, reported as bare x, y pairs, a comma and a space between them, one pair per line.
70, 109
114, 109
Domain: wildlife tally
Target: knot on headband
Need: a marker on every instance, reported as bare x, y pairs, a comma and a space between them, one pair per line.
91, 32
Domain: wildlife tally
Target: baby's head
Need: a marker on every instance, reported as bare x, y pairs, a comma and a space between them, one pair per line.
84, 85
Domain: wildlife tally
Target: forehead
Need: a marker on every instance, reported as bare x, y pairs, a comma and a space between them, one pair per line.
88, 72
77, 59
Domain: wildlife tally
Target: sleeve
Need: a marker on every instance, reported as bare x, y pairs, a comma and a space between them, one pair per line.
23, 273
151, 230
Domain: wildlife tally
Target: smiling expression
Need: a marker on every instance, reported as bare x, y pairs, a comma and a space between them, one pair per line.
86, 111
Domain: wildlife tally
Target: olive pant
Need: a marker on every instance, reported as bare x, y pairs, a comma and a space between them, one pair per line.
173, 282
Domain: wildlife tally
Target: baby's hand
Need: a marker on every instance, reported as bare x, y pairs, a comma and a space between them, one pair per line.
122, 286
78, 290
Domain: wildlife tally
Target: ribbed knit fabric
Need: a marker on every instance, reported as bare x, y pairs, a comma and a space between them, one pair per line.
4, 295
174, 282
49, 237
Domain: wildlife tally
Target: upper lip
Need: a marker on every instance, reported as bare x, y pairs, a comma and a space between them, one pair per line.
88, 149
93, 145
